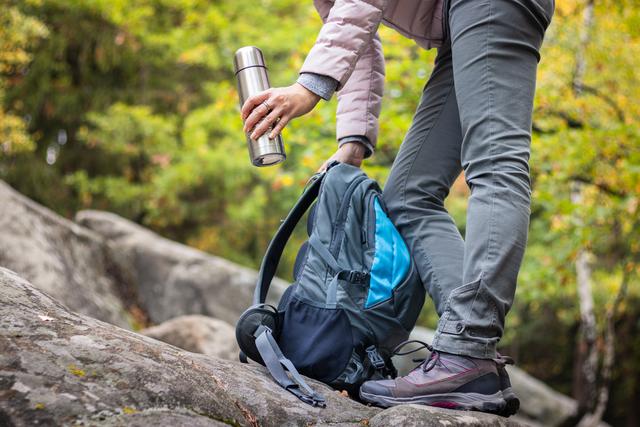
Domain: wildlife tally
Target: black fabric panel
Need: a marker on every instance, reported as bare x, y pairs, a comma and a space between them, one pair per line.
486, 384
317, 340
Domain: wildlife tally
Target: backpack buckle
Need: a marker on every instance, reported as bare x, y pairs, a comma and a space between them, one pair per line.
376, 360
313, 400
357, 277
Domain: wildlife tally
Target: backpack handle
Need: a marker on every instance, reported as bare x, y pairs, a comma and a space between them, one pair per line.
278, 242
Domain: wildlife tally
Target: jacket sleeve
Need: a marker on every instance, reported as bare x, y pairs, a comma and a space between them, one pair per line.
360, 100
349, 50
349, 28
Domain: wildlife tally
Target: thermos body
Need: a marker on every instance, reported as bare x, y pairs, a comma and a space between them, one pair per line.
252, 77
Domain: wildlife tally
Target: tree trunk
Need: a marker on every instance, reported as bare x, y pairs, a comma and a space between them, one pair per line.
587, 356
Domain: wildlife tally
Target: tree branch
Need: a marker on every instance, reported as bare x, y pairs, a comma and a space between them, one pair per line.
599, 185
581, 87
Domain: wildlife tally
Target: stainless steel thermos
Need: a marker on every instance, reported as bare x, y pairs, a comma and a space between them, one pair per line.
251, 73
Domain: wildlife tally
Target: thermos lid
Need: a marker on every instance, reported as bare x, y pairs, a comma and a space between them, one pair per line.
248, 56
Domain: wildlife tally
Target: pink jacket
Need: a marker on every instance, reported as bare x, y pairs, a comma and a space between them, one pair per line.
348, 49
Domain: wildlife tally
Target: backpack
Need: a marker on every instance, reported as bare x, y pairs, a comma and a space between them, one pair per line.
356, 294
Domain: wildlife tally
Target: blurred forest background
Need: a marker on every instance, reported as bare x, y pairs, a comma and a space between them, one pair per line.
131, 106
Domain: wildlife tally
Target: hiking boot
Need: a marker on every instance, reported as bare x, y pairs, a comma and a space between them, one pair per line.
443, 380
510, 397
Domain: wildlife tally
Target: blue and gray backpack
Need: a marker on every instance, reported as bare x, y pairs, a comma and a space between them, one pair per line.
356, 294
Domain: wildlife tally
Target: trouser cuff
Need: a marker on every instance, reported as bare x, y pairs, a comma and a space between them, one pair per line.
463, 346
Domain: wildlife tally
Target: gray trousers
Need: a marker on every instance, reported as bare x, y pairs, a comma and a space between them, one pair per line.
474, 116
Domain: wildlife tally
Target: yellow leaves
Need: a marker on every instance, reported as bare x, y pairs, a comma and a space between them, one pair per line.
309, 161
567, 7
14, 138
17, 33
129, 410
558, 223
287, 180
282, 181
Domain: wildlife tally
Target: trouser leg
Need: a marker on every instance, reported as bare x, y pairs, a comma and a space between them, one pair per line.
424, 169
494, 46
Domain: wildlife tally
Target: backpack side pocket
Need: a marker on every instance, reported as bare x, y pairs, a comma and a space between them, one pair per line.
317, 340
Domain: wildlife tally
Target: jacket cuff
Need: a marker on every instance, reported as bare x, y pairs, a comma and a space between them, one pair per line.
360, 139
323, 86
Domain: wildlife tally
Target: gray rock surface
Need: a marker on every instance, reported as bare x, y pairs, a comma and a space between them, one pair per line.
540, 402
59, 257
198, 334
160, 417
173, 279
62, 368
425, 416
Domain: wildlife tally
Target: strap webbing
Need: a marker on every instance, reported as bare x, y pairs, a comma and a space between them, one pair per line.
315, 243
277, 244
332, 292
274, 361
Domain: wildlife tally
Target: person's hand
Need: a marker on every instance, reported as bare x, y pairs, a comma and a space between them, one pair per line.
351, 153
275, 107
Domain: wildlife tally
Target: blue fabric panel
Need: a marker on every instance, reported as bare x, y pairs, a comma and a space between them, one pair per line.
391, 260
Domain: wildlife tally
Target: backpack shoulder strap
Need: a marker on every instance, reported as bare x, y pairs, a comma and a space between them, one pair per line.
277, 244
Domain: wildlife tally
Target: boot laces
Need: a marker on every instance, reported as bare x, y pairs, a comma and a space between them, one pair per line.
502, 360
427, 363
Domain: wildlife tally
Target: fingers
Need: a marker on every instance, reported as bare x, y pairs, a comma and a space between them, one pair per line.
279, 126
253, 102
265, 124
256, 116
345, 154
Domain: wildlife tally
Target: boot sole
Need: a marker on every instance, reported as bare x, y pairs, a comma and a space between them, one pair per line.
513, 403
491, 403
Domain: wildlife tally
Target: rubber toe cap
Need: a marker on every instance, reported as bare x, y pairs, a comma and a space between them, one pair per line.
378, 388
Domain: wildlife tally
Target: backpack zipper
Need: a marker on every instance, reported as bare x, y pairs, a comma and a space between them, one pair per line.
369, 220
342, 212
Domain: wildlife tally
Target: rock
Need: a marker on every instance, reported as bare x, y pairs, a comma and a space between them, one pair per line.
540, 402
58, 367
173, 279
160, 417
426, 416
59, 257
199, 334
62, 368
